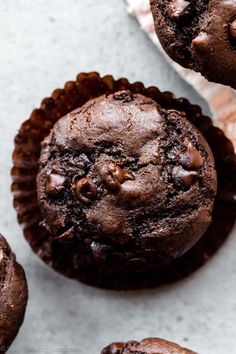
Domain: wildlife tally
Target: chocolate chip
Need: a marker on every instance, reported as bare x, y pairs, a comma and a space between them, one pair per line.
99, 251
200, 43
113, 176
183, 177
232, 29
114, 348
137, 261
124, 96
66, 236
85, 190
1, 258
54, 184
179, 8
192, 158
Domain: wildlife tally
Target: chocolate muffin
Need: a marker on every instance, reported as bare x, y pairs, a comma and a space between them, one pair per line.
131, 182
13, 295
113, 183
200, 35
146, 346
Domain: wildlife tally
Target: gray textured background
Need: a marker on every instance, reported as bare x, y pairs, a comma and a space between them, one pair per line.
44, 43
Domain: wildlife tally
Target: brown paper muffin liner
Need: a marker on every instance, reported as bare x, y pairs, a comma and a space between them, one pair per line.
61, 256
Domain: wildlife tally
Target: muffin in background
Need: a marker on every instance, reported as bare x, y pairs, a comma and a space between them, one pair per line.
199, 35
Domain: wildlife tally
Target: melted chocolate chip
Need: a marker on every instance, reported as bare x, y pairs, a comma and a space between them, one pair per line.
66, 236
179, 8
232, 29
124, 96
137, 261
1, 258
114, 348
113, 176
200, 43
54, 184
99, 252
192, 158
85, 190
182, 176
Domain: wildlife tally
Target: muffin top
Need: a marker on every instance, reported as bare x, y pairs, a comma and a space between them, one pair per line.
13, 295
146, 346
200, 35
121, 170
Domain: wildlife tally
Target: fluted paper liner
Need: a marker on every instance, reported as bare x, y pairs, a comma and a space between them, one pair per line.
62, 256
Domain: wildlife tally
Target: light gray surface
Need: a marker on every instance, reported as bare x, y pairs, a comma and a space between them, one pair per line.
44, 43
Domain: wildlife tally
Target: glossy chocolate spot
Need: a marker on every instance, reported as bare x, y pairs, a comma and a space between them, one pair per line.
54, 184
85, 190
66, 236
179, 8
1, 258
200, 44
233, 29
137, 260
114, 348
183, 177
113, 176
123, 96
99, 251
191, 158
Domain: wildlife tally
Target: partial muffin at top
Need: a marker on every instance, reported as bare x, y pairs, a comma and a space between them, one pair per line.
200, 35
123, 176
146, 346
13, 295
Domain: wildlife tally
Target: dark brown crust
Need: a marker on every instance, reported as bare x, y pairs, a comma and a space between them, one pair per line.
131, 224
25, 168
146, 346
13, 296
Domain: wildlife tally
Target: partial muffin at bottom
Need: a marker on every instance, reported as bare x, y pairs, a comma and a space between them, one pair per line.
146, 346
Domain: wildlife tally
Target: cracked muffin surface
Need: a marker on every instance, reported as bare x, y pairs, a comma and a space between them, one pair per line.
131, 182
200, 35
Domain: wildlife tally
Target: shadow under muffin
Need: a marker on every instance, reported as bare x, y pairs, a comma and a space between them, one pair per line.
64, 256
